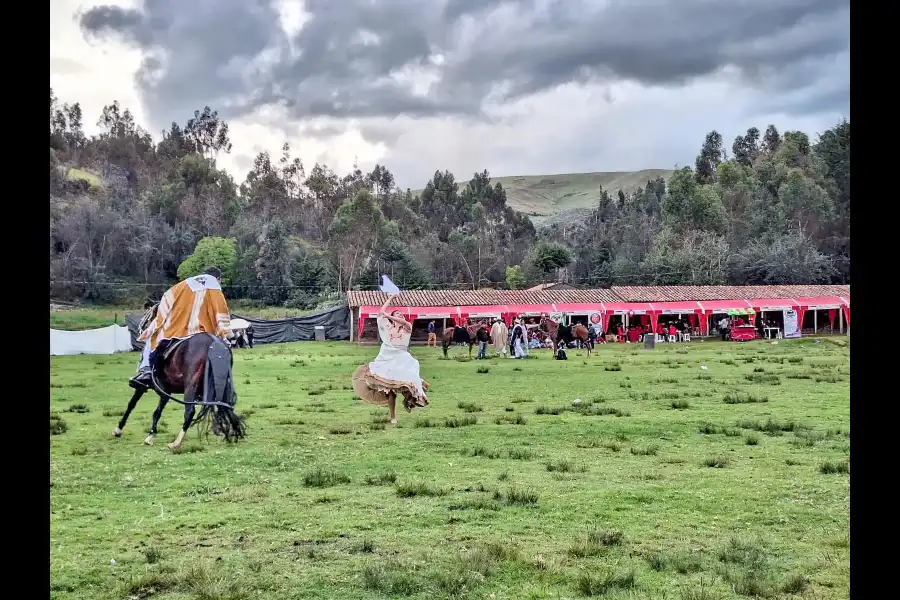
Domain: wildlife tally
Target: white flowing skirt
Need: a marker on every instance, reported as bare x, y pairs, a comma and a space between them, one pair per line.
397, 368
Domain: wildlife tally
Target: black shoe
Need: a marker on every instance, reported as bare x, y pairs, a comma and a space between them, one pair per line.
141, 381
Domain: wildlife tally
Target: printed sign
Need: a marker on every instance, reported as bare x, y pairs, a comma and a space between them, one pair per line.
791, 326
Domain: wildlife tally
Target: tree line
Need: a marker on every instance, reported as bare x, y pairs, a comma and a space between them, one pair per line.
776, 211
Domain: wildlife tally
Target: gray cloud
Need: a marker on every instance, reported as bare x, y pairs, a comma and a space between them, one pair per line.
234, 55
66, 66
517, 86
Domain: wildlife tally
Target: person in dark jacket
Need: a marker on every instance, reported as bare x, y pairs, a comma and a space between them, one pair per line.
482, 337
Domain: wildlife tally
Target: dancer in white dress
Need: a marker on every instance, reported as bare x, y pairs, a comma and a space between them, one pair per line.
394, 371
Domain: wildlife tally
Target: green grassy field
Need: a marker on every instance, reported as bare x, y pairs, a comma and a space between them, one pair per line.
668, 481
93, 317
543, 197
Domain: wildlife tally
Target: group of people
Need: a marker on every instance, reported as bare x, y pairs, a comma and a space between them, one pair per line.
671, 331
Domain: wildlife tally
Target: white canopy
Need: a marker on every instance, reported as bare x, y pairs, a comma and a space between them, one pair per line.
237, 324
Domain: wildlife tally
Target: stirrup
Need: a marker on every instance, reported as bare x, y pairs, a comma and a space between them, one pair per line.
138, 383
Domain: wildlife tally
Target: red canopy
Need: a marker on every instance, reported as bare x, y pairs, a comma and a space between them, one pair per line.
529, 309
477, 312
433, 312
721, 306
623, 308
579, 308
822, 303
364, 311
774, 304
677, 308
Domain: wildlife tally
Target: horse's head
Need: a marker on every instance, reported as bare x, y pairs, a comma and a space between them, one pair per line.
225, 421
548, 325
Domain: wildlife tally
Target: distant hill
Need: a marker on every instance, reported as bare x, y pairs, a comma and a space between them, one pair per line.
547, 198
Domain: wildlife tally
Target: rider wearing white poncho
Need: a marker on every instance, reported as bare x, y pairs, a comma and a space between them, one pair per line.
394, 371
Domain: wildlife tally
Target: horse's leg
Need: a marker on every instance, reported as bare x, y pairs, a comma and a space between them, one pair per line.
157, 414
190, 396
131, 404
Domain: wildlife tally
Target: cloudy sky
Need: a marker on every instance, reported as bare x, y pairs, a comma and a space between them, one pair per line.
514, 86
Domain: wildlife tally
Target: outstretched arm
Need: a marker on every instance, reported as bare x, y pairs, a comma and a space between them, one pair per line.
385, 305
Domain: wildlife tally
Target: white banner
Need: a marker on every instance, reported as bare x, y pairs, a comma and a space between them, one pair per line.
791, 326
106, 340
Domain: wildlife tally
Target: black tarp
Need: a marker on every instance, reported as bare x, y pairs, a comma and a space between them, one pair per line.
336, 322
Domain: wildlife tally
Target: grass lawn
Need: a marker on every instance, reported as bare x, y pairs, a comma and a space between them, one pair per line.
667, 481
93, 317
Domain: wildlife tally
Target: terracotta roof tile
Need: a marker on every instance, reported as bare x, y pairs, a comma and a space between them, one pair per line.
482, 297
676, 293
673, 293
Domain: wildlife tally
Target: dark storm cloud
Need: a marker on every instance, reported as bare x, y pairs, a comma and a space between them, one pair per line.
234, 55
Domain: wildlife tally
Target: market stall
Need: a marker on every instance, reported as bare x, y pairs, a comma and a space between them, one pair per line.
773, 314
690, 310
743, 333
830, 309
716, 309
570, 311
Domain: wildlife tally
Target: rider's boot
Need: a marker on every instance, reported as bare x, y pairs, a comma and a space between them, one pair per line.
141, 381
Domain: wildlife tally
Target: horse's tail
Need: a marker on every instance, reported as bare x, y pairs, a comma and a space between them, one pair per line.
218, 386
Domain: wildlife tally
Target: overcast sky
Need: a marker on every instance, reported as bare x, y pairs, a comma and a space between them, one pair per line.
517, 87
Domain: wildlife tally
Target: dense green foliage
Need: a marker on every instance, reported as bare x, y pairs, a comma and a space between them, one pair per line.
128, 213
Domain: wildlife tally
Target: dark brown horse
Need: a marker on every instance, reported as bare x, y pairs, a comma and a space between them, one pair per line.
460, 336
200, 368
565, 333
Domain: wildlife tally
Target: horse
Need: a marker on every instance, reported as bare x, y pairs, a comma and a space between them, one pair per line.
200, 367
565, 333
459, 335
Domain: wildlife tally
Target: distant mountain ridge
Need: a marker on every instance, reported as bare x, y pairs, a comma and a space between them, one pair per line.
568, 196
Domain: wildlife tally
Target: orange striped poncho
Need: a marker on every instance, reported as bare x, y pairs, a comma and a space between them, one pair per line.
195, 305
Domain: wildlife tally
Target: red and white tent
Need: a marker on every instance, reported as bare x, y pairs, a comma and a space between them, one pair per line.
691, 309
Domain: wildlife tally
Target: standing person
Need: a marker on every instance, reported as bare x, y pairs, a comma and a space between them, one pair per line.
518, 340
195, 305
723, 328
249, 333
432, 337
482, 337
500, 336
394, 371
